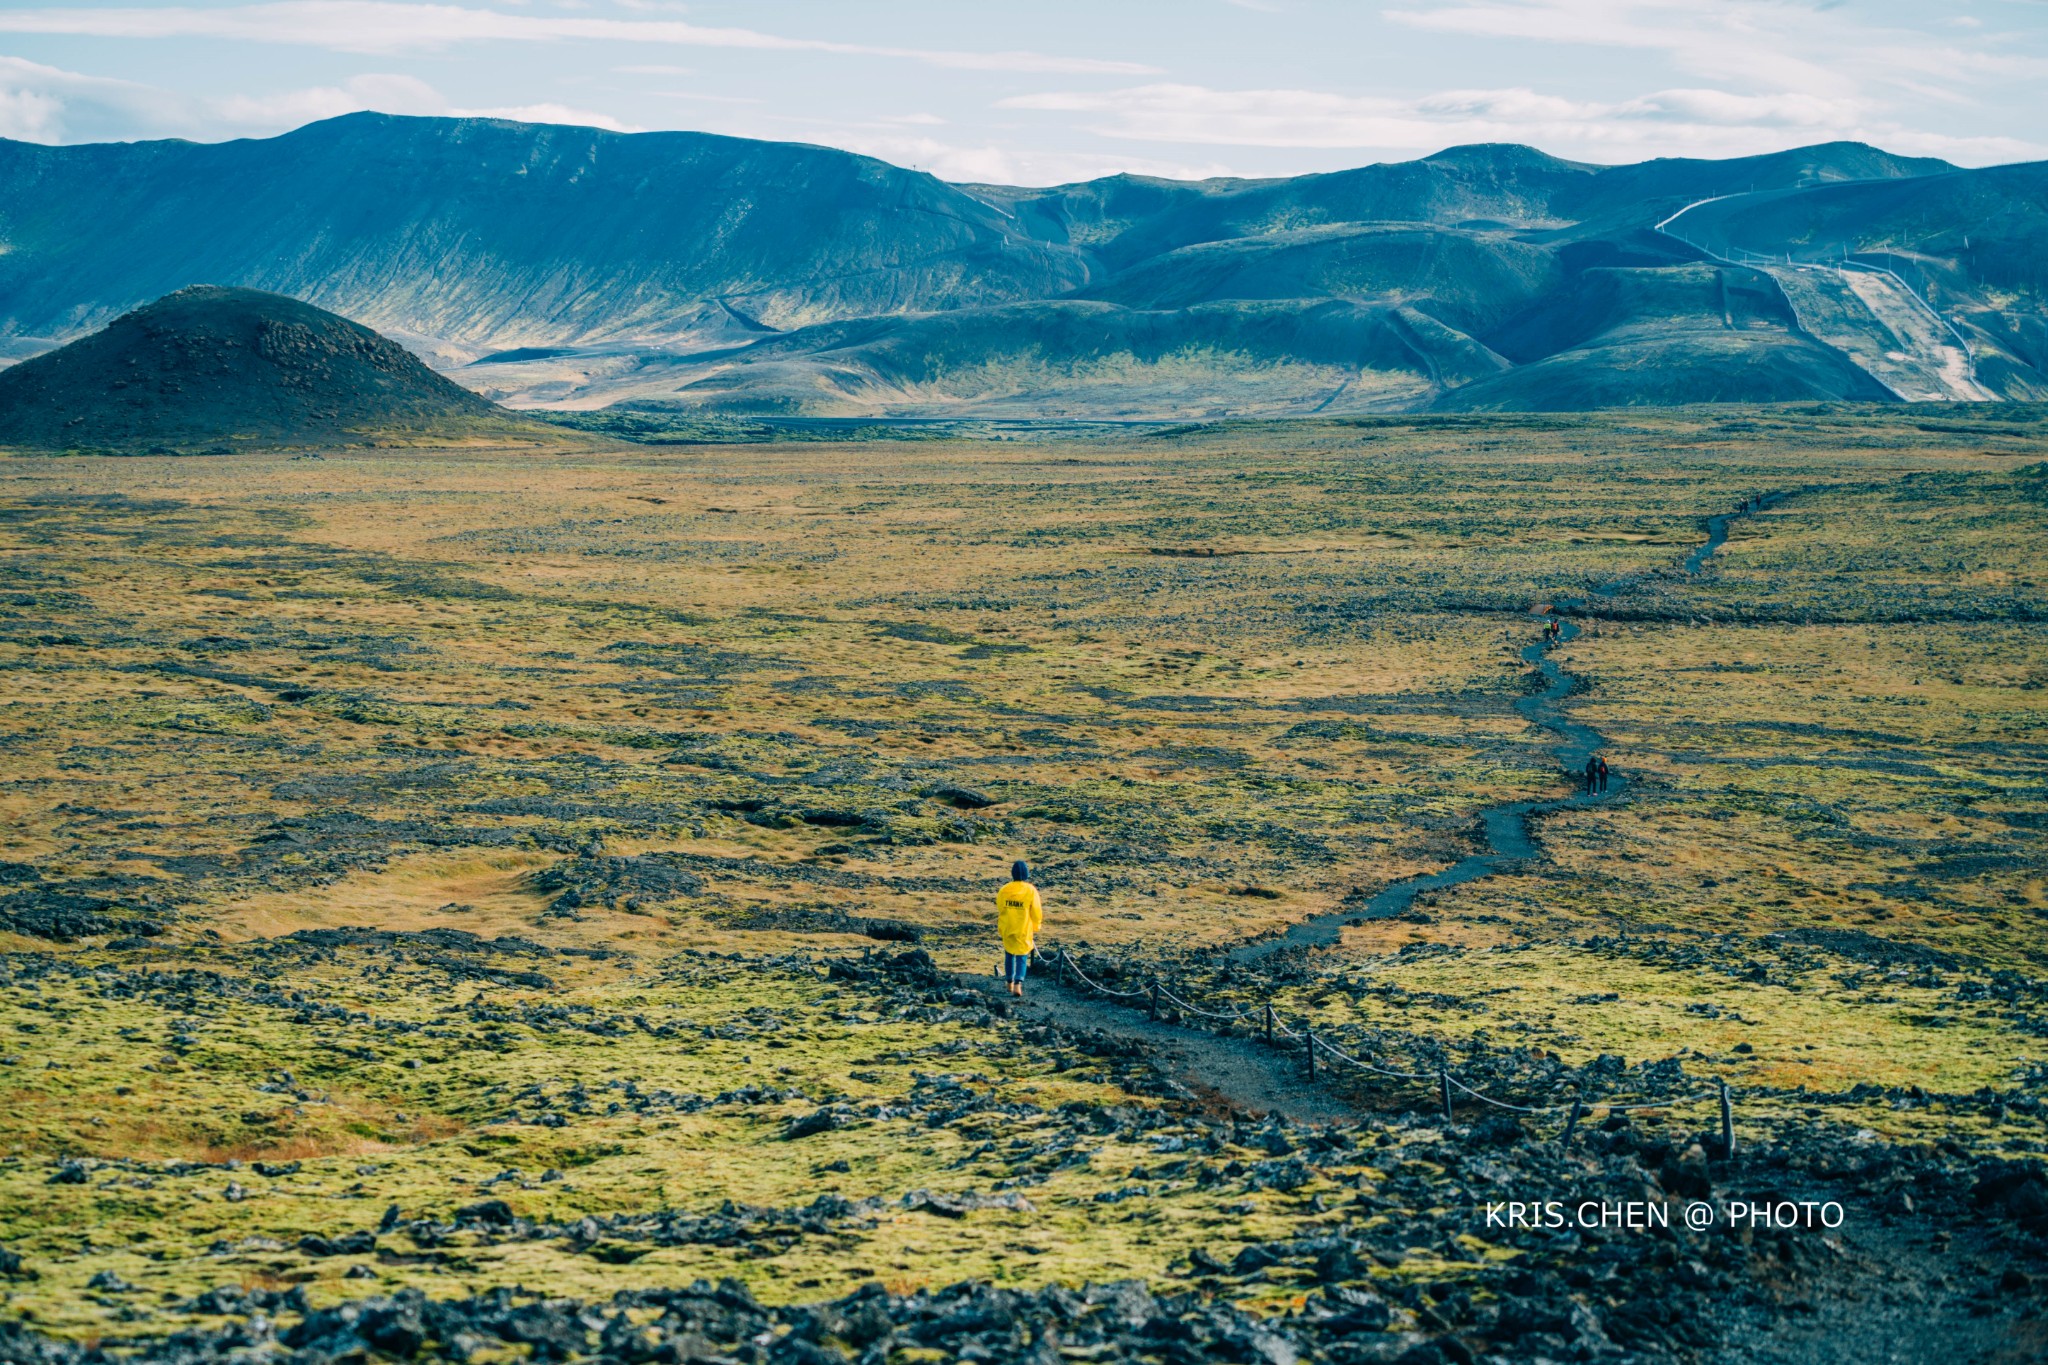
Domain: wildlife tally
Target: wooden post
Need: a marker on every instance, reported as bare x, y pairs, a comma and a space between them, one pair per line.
1309, 1034
1061, 968
1443, 1080
1727, 1123
1269, 1020
1571, 1122
1153, 1011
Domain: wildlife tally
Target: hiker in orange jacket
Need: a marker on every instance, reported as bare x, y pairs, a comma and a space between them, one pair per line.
1019, 912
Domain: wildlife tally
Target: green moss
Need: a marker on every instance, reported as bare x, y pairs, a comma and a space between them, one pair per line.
283, 696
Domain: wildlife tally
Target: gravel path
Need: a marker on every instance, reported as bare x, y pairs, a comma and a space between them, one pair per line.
1234, 1073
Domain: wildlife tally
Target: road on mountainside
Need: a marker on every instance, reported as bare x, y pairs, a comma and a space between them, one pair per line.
1869, 315
1882, 326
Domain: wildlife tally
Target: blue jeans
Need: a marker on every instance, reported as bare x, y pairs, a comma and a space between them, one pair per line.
1015, 965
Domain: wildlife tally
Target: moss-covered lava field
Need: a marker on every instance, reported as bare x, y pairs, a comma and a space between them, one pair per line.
493, 905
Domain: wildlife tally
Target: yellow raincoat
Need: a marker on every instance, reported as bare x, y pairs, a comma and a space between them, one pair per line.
1019, 912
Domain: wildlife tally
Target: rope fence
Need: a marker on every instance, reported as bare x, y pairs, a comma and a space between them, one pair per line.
1320, 1050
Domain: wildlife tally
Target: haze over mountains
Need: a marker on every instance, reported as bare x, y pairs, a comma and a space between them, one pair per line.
548, 265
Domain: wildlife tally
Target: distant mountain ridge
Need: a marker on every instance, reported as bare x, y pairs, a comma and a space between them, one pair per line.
488, 234
549, 265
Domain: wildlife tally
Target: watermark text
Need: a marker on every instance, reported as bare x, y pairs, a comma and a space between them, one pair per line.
1649, 1215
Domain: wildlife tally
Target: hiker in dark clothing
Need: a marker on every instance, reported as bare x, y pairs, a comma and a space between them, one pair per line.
1592, 774
1603, 777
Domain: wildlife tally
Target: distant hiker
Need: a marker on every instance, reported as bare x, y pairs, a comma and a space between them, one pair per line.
1592, 775
1019, 912
1603, 777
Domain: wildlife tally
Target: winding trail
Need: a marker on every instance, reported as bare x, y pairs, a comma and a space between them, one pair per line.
1255, 1078
1717, 529
1506, 826
1889, 1292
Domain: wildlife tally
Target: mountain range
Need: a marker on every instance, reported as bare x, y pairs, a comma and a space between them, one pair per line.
546, 265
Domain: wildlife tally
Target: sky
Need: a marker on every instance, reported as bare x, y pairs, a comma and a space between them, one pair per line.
1056, 90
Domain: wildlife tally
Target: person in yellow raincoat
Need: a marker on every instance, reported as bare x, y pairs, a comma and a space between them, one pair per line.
1019, 912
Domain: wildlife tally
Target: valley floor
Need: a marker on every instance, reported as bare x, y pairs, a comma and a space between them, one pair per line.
451, 872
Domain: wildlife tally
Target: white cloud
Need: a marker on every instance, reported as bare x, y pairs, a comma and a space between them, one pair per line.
291, 108
989, 164
1621, 80
1819, 49
1683, 122
30, 115
704, 99
385, 26
1964, 151
45, 104
549, 113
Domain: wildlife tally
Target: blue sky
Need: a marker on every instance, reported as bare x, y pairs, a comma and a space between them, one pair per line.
1057, 90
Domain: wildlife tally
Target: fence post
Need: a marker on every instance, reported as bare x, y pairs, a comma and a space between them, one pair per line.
1153, 1004
1061, 967
1309, 1033
1727, 1123
1571, 1122
1443, 1080
1268, 1011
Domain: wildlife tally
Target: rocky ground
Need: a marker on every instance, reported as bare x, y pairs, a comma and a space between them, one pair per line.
505, 908
1370, 1235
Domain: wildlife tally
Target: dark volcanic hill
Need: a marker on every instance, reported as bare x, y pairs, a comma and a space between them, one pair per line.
215, 369
547, 265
